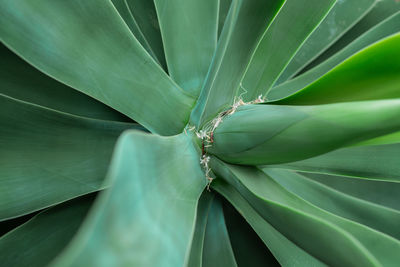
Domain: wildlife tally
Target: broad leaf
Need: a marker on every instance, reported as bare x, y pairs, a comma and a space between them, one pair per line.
48, 157
96, 53
371, 162
148, 216
340, 19
145, 15
285, 251
217, 250
373, 73
382, 30
271, 134
224, 6
125, 12
195, 256
384, 193
189, 31
315, 230
280, 43
382, 10
20, 80
370, 214
244, 26
37, 242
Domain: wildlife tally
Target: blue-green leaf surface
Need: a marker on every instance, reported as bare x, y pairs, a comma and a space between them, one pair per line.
271, 134
244, 26
21, 81
386, 28
380, 162
217, 249
280, 42
373, 73
48, 157
285, 251
382, 10
189, 31
379, 217
148, 215
314, 229
145, 14
343, 15
95, 53
37, 242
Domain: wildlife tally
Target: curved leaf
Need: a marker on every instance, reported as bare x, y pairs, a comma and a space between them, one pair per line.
286, 252
48, 157
370, 214
189, 32
126, 14
147, 217
145, 14
371, 162
224, 6
314, 229
373, 73
384, 193
280, 43
382, 10
21, 81
217, 246
96, 53
244, 25
272, 134
382, 30
340, 19
37, 242
195, 257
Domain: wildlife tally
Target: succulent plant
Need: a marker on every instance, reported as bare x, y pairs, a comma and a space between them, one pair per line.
217, 133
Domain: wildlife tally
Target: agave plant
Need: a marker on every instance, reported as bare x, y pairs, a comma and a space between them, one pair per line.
246, 133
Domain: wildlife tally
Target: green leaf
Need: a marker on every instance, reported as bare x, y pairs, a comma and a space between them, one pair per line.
380, 162
272, 134
126, 14
392, 138
96, 53
380, 31
280, 43
144, 12
382, 10
42, 238
370, 214
189, 31
217, 250
195, 257
224, 6
285, 251
148, 216
244, 25
339, 20
380, 192
48, 157
373, 73
20, 80
315, 230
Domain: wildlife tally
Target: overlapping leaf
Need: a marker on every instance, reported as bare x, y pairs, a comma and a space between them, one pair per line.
148, 215
339, 20
37, 242
47, 157
271, 134
96, 53
382, 30
314, 229
189, 31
